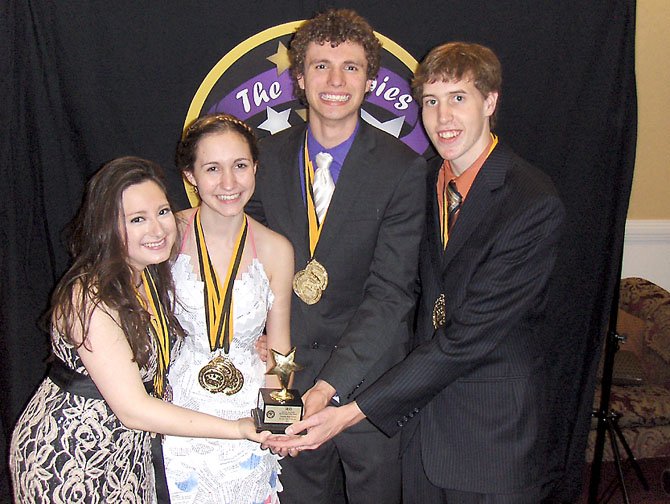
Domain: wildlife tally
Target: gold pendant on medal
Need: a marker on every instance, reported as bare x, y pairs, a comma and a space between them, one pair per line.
439, 313
221, 375
309, 283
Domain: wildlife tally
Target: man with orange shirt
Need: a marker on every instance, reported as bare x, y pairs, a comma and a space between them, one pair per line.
469, 399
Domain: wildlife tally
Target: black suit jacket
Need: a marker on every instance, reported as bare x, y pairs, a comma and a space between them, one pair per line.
369, 245
475, 387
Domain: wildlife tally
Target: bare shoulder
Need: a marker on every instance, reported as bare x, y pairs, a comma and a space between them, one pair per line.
87, 317
272, 248
183, 217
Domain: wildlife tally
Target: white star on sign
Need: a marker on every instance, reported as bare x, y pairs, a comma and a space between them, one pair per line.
392, 127
276, 121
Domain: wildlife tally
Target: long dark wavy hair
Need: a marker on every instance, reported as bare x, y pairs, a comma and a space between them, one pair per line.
100, 275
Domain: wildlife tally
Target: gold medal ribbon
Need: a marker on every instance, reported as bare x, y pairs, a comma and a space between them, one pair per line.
310, 283
314, 228
444, 232
219, 299
160, 327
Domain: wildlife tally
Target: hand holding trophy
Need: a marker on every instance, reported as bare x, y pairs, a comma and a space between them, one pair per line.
279, 408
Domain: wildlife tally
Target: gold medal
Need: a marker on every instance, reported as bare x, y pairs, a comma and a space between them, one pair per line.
221, 375
316, 268
439, 314
306, 287
309, 283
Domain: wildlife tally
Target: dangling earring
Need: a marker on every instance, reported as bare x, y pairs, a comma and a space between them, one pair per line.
195, 189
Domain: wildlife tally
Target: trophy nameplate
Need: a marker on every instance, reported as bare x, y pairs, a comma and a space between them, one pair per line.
275, 415
279, 408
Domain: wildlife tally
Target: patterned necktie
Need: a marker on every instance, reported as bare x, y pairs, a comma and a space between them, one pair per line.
323, 186
455, 199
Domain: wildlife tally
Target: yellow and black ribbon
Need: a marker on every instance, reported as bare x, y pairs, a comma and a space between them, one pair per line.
218, 298
159, 324
314, 229
444, 233
444, 218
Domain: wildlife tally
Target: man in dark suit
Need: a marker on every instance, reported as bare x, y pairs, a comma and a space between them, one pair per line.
356, 255
470, 397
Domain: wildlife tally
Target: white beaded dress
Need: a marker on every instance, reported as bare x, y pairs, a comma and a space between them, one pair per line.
213, 471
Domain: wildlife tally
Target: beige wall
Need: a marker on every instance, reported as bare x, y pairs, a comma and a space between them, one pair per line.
650, 198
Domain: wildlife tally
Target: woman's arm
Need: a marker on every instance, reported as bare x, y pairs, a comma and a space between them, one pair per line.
276, 254
108, 359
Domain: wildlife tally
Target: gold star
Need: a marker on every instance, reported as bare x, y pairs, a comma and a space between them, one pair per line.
302, 113
280, 59
284, 366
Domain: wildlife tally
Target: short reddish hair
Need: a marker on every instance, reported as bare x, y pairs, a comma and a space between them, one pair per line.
457, 61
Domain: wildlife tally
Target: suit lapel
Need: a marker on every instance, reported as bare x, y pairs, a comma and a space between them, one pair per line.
479, 201
433, 213
355, 171
293, 210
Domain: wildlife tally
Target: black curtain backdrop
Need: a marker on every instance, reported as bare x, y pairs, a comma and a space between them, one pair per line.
84, 82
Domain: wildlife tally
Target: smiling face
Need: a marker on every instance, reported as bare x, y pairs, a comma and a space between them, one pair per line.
224, 173
456, 118
335, 82
148, 225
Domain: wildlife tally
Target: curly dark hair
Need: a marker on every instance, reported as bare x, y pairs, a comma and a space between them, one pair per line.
334, 26
208, 124
100, 274
456, 61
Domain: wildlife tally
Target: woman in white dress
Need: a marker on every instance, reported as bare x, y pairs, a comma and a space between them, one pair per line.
233, 280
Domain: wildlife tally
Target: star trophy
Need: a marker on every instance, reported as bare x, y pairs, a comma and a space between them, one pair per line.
279, 408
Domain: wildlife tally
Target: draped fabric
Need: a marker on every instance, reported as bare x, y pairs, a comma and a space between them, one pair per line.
84, 82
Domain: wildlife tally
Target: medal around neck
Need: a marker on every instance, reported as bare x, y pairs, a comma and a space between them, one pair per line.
439, 312
309, 283
221, 375
279, 408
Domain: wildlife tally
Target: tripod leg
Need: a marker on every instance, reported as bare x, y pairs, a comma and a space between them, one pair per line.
596, 466
617, 459
631, 458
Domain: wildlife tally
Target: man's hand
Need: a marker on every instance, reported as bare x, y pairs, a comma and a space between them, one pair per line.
321, 427
262, 347
317, 398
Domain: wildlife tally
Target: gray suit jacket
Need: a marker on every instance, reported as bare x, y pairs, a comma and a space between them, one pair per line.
475, 387
369, 245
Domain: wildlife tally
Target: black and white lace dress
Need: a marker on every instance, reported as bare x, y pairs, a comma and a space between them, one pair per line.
70, 449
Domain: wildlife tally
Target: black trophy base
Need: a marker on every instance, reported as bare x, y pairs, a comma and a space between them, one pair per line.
275, 428
273, 414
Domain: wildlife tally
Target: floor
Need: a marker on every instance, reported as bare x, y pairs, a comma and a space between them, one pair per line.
654, 470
